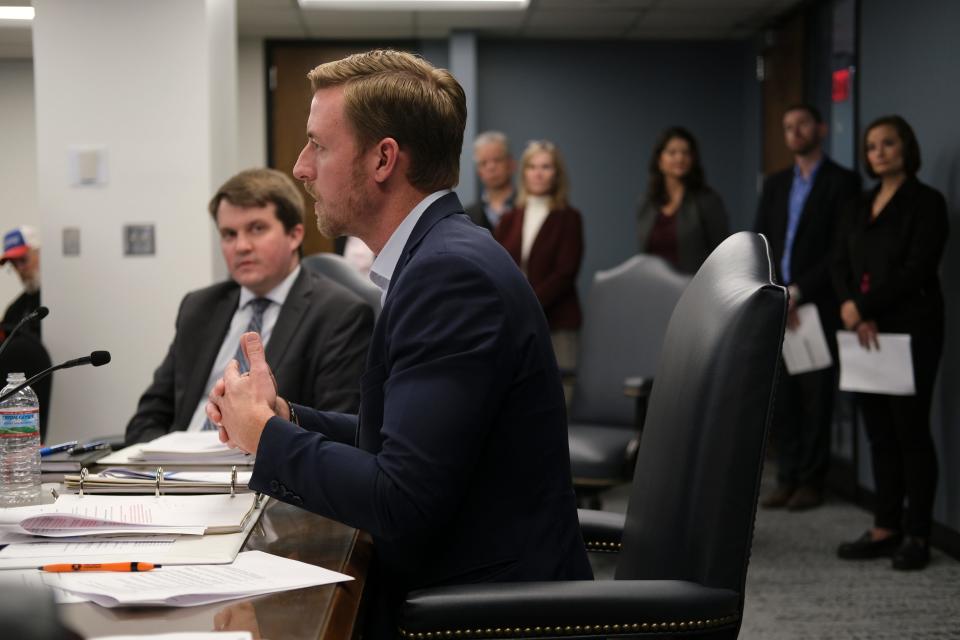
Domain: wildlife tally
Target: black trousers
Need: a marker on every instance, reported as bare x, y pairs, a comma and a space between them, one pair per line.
803, 416
901, 447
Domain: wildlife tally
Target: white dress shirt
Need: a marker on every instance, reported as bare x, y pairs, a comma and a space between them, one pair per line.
238, 326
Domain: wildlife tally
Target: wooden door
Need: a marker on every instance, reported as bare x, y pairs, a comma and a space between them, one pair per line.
288, 105
783, 86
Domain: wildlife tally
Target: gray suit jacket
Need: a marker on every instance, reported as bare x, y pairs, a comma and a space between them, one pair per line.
317, 352
701, 225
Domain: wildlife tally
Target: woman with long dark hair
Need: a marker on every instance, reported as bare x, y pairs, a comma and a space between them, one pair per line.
885, 271
681, 219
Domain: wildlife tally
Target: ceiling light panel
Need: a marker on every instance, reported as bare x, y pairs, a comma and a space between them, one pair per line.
417, 5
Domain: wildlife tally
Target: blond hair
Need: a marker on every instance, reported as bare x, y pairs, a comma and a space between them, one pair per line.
393, 94
561, 184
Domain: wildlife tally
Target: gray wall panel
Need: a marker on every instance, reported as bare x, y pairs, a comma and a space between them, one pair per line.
604, 103
908, 66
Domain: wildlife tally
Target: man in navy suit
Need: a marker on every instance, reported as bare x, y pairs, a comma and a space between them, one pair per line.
457, 463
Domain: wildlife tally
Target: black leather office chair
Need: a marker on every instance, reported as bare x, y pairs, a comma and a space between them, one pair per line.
339, 270
685, 541
625, 320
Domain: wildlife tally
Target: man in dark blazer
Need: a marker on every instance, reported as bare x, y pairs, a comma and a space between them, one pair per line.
495, 167
458, 463
798, 212
319, 331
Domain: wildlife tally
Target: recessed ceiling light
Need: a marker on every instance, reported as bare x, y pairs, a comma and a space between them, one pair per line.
417, 5
16, 13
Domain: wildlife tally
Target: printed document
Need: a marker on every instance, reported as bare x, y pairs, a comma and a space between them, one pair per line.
252, 573
888, 369
805, 348
186, 635
75, 515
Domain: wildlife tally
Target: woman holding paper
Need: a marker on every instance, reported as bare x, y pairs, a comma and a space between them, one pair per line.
885, 270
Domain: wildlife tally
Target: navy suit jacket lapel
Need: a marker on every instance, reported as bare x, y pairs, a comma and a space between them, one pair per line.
443, 207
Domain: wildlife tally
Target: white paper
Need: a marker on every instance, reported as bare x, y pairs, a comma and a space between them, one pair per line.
252, 573
209, 549
82, 550
186, 635
180, 446
73, 515
888, 369
805, 348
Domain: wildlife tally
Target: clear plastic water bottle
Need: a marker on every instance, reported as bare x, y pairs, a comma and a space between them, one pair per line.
19, 444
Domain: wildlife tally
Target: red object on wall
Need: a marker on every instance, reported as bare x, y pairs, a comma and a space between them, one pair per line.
841, 85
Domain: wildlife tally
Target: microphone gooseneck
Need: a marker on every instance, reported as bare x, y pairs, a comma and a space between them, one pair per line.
96, 358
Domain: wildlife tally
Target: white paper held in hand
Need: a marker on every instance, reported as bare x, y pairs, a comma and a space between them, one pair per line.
888, 369
805, 347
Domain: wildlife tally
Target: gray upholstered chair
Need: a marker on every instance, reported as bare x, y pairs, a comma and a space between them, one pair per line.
684, 544
625, 319
339, 270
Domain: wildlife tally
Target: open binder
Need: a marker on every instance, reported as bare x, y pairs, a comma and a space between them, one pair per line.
74, 515
207, 549
122, 480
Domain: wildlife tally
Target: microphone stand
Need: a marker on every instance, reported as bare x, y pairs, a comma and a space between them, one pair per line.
65, 365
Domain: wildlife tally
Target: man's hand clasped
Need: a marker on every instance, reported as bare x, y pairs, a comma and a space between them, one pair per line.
240, 404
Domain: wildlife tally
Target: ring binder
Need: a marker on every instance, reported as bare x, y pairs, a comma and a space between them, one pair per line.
158, 492
83, 476
233, 481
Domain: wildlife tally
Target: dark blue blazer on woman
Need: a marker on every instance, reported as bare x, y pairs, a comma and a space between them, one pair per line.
458, 463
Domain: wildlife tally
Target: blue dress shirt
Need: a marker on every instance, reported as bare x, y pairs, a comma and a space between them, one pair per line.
799, 191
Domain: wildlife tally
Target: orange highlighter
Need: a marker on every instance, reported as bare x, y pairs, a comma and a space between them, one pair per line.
107, 566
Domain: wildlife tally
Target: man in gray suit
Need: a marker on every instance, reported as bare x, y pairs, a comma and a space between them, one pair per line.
316, 331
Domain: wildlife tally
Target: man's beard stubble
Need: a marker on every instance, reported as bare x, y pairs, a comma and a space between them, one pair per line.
356, 207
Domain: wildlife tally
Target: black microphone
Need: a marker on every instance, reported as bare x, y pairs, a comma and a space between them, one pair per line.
37, 314
96, 358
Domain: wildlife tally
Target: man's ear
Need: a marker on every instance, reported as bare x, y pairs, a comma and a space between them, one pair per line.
386, 159
296, 234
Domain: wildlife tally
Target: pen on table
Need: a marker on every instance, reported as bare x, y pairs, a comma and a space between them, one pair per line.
107, 566
90, 446
57, 448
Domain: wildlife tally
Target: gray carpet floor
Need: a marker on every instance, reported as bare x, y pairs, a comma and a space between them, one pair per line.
797, 589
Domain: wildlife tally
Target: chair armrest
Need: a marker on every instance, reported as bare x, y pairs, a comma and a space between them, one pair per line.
602, 530
573, 608
637, 386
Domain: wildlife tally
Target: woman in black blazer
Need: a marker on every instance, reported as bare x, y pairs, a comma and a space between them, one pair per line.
885, 271
680, 219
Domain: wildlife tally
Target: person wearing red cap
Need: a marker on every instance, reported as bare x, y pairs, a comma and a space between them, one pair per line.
21, 248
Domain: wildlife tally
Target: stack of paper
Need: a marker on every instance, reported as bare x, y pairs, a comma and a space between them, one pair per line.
181, 448
74, 515
125, 480
195, 446
252, 573
29, 552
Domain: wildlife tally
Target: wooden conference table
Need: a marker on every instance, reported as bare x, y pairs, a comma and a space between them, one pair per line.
328, 612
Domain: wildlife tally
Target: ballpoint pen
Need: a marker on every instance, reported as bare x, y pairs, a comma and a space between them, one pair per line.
57, 448
107, 566
90, 446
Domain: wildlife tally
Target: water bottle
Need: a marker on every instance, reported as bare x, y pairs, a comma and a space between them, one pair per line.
19, 444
